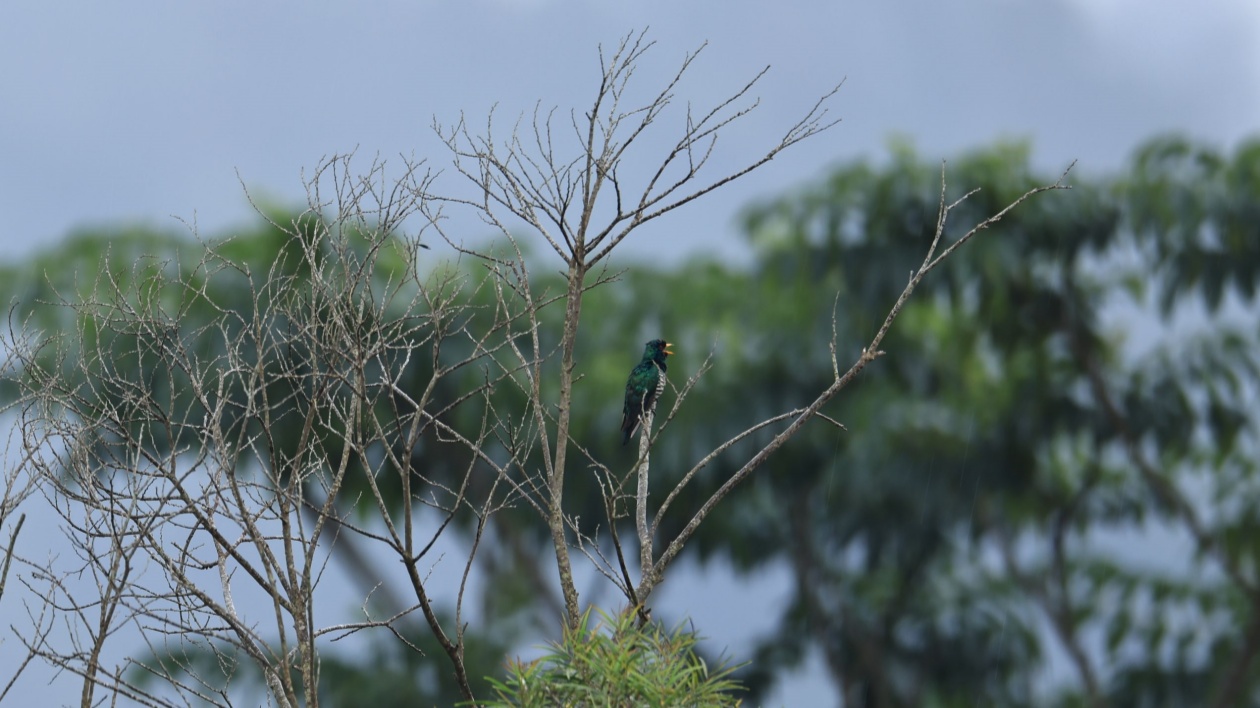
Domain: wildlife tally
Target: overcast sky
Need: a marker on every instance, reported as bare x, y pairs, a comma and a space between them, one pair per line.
110, 116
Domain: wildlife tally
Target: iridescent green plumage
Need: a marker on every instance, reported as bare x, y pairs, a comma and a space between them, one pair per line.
645, 384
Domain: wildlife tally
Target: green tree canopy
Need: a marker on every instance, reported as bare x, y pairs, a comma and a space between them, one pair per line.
1071, 387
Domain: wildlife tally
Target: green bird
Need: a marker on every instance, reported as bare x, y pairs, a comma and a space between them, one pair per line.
645, 384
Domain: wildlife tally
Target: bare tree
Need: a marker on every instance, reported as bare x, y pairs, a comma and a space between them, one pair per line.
18, 486
351, 393
218, 458
579, 202
564, 180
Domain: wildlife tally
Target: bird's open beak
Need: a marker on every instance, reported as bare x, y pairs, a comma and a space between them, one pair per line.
667, 346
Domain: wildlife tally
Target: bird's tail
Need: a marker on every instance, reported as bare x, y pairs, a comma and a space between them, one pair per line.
628, 425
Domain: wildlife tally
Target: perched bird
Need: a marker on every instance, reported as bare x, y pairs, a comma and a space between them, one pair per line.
645, 384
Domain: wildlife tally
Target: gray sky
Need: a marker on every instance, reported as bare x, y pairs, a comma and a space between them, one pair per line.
109, 116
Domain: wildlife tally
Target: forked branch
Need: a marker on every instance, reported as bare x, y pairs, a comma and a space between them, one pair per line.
869, 353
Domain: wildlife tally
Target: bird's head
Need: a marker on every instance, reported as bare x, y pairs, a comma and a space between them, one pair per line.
657, 350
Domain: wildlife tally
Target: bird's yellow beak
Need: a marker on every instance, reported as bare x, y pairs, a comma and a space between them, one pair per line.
667, 346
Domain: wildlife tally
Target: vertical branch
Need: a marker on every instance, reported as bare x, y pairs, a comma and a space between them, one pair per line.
555, 483
8, 553
646, 553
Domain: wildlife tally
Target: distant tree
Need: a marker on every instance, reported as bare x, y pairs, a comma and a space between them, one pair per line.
1061, 402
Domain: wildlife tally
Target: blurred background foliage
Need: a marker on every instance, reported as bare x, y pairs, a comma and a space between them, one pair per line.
1054, 464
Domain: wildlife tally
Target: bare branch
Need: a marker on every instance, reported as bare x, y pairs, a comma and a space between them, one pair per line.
868, 354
